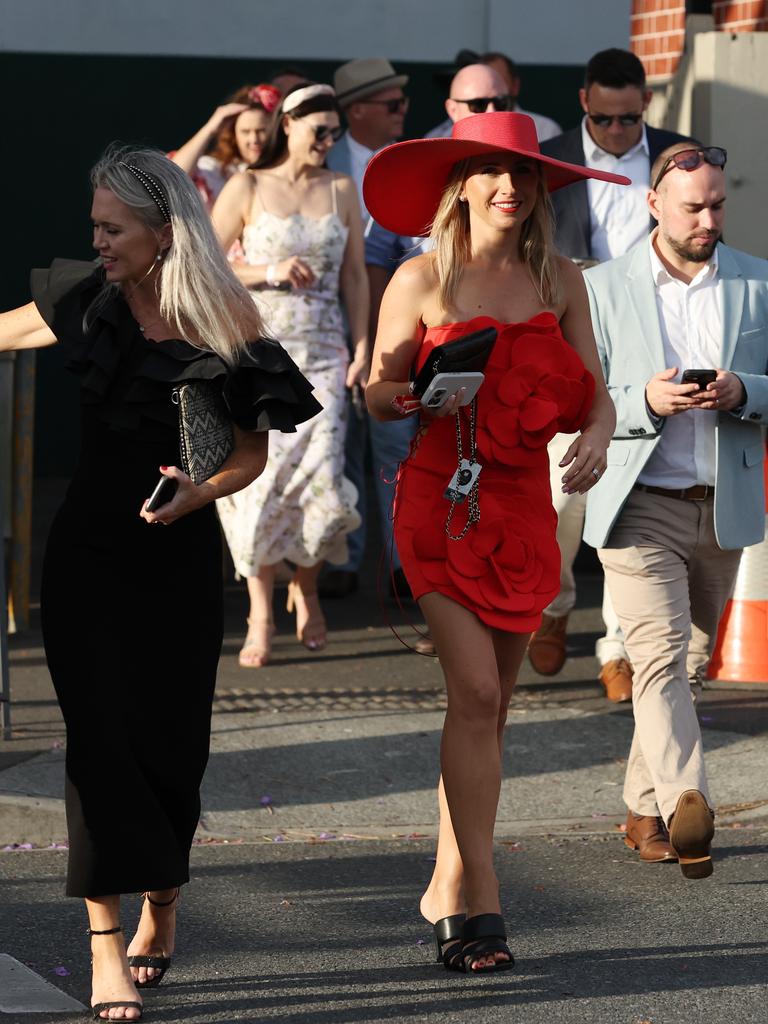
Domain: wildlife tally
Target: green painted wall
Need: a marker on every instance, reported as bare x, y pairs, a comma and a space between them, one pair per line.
61, 111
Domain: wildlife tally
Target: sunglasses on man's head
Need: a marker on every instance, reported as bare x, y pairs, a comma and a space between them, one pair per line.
396, 106
690, 159
324, 131
625, 120
481, 104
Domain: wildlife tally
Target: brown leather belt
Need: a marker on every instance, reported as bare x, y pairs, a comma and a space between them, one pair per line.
699, 492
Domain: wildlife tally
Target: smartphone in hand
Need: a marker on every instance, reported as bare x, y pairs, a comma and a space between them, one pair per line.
162, 494
700, 377
444, 385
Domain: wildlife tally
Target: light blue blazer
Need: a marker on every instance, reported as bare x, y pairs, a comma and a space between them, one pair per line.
622, 300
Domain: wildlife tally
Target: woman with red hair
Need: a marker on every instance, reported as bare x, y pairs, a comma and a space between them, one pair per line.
229, 141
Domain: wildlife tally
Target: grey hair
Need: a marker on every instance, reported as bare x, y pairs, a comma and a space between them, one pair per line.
197, 288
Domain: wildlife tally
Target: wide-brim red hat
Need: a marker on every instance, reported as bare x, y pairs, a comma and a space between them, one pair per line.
404, 183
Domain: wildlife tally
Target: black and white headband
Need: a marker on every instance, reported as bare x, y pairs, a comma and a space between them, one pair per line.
152, 185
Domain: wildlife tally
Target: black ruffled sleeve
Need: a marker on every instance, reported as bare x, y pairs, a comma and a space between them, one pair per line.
62, 293
267, 391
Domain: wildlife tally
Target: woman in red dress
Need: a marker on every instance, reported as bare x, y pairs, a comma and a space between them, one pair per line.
483, 570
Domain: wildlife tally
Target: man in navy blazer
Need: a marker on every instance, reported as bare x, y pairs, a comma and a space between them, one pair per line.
683, 492
596, 222
612, 136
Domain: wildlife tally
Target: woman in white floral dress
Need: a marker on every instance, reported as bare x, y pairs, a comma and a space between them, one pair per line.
301, 232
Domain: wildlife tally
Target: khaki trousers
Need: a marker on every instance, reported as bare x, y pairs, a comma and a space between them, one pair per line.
669, 582
570, 509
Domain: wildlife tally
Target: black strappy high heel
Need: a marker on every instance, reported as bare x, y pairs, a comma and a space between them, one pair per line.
128, 1004
483, 936
448, 942
159, 963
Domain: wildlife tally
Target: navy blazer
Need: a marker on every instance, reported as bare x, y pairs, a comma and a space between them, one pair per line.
573, 231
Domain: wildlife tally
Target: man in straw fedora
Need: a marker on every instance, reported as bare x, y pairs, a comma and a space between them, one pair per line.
370, 92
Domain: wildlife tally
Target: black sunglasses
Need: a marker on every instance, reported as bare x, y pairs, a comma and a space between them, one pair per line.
690, 159
324, 131
481, 104
625, 120
397, 106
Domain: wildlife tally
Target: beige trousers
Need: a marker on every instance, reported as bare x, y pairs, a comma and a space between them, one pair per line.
570, 509
669, 582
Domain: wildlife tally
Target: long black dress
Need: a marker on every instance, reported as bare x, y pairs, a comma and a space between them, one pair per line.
132, 614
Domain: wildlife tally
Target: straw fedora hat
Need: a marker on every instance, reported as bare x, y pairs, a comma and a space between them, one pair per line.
404, 182
360, 78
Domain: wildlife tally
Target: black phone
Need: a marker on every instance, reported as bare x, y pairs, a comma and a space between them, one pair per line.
162, 494
700, 377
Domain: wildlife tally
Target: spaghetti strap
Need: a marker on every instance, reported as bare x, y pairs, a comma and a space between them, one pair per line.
334, 201
260, 194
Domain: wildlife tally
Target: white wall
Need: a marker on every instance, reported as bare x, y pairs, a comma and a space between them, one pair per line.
531, 31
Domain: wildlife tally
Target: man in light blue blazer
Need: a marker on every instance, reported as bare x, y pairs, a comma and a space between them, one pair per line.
683, 492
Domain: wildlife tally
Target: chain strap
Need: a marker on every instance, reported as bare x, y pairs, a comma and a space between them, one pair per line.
473, 506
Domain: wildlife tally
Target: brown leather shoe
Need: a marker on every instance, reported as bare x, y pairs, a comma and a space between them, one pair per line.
648, 835
691, 830
546, 649
616, 677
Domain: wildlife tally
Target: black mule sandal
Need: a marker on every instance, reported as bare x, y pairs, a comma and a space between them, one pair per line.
159, 963
483, 936
448, 942
128, 1004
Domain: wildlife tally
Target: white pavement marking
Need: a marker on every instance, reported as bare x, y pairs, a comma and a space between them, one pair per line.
23, 991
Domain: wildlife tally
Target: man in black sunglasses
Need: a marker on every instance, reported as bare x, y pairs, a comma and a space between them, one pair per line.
593, 223
590, 223
475, 89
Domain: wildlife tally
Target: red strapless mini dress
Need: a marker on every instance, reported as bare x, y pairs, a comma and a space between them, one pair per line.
506, 568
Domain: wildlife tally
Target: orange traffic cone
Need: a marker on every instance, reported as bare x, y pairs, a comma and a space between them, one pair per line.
741, 652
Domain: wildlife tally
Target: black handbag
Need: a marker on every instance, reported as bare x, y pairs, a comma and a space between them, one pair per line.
463, 355
206, 438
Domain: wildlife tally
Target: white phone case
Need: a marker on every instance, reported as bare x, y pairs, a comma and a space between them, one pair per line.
444, 385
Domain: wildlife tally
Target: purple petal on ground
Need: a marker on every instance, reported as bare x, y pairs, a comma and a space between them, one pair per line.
326, 835
421, 942
279, 839
61, 971
25, 846
265, 801
9, 848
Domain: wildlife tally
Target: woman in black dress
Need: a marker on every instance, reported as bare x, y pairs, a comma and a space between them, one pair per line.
131, 599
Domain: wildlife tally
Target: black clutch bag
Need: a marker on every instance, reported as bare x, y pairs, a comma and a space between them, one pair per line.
206, 438
463, 355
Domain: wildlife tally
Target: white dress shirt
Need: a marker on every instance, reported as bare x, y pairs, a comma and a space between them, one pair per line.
618, 216
359, 156
691, 321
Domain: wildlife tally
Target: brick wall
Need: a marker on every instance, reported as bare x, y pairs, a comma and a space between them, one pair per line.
657, 29
740, 15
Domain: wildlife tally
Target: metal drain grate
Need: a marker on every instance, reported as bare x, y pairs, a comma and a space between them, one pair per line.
388, 698
336, 699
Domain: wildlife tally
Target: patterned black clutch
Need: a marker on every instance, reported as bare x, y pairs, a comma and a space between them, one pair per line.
206, 438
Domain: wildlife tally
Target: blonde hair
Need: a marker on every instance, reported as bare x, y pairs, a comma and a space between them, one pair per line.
451, 236
197, 287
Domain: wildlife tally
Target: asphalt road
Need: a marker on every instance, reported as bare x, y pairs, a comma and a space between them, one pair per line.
328, 933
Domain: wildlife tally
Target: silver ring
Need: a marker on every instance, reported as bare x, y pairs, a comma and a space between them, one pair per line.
596, 473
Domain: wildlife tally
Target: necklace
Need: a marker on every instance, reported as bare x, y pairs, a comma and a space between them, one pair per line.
145, 327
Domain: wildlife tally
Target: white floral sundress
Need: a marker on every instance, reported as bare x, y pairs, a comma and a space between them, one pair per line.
302, 506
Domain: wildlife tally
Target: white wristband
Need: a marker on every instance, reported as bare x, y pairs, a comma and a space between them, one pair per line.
271, 275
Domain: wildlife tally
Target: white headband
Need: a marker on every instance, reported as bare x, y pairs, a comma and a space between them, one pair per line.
307, 93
